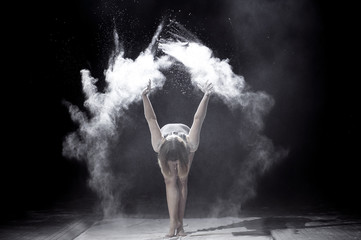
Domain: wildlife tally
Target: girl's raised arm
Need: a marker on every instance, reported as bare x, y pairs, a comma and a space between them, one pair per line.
156, 136
199, 116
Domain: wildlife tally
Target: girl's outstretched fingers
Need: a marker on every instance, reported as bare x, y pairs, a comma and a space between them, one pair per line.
148, 88
206, 88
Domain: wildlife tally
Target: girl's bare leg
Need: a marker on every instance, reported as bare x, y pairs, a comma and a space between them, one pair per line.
183, 190
172, 191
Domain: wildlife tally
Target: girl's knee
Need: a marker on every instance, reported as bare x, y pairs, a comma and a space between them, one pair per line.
183, 181
170, 180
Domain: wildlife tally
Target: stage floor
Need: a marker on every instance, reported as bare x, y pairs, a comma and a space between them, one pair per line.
252, 228
260, 224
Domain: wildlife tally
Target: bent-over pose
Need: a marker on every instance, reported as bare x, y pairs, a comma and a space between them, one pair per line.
176, 144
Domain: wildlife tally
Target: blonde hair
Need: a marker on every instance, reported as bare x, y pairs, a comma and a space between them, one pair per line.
173, 148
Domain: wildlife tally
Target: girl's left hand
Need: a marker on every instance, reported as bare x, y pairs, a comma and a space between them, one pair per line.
206, 88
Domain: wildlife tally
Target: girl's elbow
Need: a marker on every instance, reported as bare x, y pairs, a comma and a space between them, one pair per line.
193, 147
150, 118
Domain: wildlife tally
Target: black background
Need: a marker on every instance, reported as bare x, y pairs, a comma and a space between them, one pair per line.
47, 43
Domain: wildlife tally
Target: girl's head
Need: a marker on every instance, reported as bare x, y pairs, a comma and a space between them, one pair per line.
173, 148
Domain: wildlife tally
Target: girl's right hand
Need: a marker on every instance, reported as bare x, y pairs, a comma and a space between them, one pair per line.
146, 91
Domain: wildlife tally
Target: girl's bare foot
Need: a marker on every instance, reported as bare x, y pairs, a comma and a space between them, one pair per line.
172, 229
170, 234
180, 231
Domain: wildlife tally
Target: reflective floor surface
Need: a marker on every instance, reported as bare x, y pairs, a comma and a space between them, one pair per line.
151, 223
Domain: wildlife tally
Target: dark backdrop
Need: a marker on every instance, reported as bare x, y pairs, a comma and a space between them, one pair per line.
313, 82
